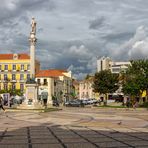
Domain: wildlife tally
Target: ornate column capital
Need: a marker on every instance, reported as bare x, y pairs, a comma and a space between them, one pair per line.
33, 40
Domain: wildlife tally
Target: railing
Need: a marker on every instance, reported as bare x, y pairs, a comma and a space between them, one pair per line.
39, 84
42, 84
22, 80
45, 84
6, 80
13, 80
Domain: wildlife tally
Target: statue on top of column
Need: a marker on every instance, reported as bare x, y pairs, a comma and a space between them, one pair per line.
33, 26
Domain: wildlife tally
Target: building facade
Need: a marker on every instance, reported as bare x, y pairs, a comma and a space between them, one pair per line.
76, 88
14, 71
106, 63
103, 63
85, 89
57, 83
118, 67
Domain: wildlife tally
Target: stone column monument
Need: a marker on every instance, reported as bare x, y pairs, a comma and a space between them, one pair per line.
31, 85
33, 41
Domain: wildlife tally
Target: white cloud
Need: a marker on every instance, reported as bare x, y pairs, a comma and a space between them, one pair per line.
92, 64
64, 37
139, 49
75, 68
80, 52
136, 47
80, 76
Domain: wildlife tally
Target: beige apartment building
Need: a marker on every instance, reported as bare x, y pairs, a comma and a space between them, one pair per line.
85, 89
76, 88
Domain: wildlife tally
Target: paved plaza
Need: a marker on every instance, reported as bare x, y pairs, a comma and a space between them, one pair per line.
74, 128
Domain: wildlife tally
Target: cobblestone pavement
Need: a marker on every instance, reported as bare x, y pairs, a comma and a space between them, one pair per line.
81, 129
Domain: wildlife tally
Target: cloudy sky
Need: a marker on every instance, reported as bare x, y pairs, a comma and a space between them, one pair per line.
72, 34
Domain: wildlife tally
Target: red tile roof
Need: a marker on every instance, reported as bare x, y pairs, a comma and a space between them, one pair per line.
50, 73
10, 56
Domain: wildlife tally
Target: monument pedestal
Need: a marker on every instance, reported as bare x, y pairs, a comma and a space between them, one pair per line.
31, 94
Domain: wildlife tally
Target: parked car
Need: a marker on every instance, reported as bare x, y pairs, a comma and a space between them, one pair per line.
94, 101
73, 103
17, 99
84, 101
89, 101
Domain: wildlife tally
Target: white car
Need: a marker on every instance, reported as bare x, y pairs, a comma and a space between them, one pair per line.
92, 101
85, 101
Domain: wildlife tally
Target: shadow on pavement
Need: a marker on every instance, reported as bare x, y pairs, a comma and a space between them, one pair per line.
46, 136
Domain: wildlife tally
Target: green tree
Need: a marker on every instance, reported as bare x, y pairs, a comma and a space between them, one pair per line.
13, 92
16, 92
105, 82
136, 78
130, 88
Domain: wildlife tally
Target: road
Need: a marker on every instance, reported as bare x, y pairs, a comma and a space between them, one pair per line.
74, 127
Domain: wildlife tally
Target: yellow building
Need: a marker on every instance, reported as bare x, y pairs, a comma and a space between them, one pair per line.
14, 71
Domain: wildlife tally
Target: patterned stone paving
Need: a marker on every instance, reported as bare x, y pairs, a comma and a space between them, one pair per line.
72, 137
74, 128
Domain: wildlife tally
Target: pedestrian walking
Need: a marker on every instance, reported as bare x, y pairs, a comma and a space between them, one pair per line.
135, 105
128, 103
1, 104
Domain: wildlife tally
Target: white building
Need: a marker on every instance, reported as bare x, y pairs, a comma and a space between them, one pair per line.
105, 63
57, 83
117, 67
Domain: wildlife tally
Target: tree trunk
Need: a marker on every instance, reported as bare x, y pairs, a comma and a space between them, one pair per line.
105, 100
140, 98
131, 100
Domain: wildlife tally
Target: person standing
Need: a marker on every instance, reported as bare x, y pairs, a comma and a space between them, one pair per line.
128, 103
135, 105
1, 104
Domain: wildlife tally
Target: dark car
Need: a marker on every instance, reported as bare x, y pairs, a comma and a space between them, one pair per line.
73, 103
55, 103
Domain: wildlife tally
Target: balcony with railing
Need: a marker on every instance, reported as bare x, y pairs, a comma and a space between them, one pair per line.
1, 80
39, 84
45, 83
22, 80
6, 80
42, 84
13, 80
